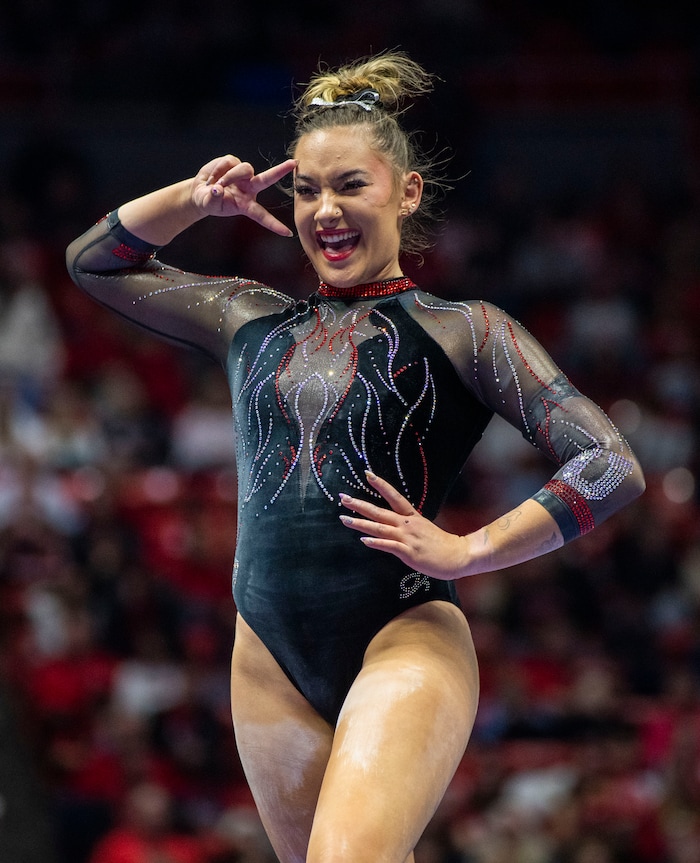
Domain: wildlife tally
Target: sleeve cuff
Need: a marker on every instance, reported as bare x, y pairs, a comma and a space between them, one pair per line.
131, 248
567, 507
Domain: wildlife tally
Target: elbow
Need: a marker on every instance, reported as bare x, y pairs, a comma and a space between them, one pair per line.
640, 485
636, 483
71, 258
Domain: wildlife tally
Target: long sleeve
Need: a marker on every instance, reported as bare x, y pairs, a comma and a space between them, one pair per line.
512, 375
122, 272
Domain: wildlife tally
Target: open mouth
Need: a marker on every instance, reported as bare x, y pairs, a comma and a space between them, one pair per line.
337, 244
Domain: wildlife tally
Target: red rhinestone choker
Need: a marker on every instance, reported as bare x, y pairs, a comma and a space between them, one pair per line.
372, 289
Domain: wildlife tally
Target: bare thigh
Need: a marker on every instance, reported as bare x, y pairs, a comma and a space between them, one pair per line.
401, 734
283, 743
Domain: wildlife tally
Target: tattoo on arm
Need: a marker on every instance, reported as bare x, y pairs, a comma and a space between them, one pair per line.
506, 521
548, 544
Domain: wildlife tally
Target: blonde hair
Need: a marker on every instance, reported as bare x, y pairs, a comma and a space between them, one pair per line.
397, 80
392, 74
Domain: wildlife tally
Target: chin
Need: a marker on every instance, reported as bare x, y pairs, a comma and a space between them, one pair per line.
340, 278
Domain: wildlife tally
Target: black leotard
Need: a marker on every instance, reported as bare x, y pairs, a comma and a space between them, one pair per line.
325, 389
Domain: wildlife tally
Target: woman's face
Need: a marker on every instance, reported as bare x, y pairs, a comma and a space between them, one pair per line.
349, 206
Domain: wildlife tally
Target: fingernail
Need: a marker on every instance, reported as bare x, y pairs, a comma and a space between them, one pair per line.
215, 192
370, 475
344, 496
346, 519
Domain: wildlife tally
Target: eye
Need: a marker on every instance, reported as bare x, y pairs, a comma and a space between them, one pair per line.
303, 191
352, 185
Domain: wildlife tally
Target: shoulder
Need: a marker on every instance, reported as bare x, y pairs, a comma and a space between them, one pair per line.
433, 303
474, 334
251, 291
472, 315
248, 299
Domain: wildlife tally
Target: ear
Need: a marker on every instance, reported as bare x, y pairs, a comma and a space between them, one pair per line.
412, 193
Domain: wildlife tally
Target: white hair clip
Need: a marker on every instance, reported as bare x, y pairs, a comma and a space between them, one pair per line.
366, 99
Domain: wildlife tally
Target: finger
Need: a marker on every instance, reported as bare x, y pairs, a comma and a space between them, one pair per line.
273, 175
392, 496
263, 217
242, 172
216, 168
370, 510
379, 535
388, 545
210, 197
363, 525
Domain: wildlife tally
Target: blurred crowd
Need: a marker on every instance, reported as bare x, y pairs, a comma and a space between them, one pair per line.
117, 473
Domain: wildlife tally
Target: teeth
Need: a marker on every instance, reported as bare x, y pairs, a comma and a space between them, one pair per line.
339, 238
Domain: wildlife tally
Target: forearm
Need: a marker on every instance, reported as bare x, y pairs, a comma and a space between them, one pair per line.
160, 216
520, 535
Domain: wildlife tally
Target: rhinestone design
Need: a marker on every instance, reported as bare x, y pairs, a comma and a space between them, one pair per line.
589, 471
307, 372
126, 253
386, 288
306, 406
576, 503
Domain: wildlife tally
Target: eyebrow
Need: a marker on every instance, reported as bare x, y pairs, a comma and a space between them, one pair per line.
344, 176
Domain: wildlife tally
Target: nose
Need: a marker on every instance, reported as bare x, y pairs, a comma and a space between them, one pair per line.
328, 208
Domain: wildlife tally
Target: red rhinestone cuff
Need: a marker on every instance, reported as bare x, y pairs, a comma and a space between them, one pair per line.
575, 502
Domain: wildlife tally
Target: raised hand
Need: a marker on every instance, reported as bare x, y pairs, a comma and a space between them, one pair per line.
405, 533
226, 186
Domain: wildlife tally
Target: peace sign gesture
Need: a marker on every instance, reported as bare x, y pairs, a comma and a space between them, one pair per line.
226, 186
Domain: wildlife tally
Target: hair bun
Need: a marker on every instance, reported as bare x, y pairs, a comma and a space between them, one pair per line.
392, 75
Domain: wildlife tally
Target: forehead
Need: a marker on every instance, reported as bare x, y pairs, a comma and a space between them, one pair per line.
338, 150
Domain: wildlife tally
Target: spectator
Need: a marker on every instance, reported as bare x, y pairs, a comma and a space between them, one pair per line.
146, 832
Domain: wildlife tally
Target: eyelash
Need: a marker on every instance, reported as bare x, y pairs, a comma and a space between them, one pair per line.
354, 184
350, 186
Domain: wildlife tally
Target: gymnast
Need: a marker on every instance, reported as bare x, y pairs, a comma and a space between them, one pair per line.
354, 681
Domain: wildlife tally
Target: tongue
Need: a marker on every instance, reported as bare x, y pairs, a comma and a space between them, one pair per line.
341, 247
340, 250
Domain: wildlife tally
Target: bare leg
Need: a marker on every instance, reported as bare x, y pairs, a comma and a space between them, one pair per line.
400, 737
366, 795
282, 742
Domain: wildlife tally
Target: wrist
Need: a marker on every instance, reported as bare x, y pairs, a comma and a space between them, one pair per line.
477, 552
158, 217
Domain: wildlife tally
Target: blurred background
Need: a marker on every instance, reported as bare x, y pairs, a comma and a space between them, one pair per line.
572, 134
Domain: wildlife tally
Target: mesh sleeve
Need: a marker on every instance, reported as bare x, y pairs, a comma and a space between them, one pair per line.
122, 272
512, 374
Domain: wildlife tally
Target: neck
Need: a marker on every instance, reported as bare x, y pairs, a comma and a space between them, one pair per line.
385, 288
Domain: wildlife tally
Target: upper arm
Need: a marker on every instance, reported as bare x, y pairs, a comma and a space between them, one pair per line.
121, 272
510, 372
